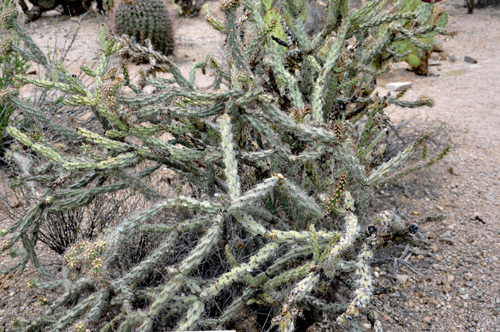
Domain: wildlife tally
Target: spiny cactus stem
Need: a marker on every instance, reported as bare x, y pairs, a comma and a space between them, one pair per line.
397, 161
238, 272
231, 170
364, 292
146, 266
333, 56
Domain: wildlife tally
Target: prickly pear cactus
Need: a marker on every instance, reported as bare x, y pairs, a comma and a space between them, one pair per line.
273, 162
145, 19
426, 15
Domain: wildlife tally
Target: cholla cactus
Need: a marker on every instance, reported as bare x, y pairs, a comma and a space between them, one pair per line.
261, 176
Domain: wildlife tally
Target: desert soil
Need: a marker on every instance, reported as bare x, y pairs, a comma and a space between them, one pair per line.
459, 288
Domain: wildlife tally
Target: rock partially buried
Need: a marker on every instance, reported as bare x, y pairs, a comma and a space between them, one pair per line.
446, 237
398, 86
468, 59
457, 72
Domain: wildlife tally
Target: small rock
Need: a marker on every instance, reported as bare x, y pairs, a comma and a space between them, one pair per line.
415, 213
467, 276
427, 320
477, 295
385, 318
462, 291
469, 284
437, 47
469, 260
446, 237
450, 227
398, 86
430, 235
440, 208
458, 72
402, 278
410, 304
367, 326
394, 304
439, 258
434, 248
478, 216
452, 171
450, 278
452, 58
468, 59
443, 56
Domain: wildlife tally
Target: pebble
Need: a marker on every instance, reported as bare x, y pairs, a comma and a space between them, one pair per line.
439, 258
437, 47
440, 208
402, 278
434, 248
467, 276
469, 260
452, 58
468, 59
398, 86
385, 318
427, 320
477, 295
446, 237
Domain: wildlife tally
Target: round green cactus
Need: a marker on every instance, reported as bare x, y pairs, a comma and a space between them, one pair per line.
145, 19
413, 60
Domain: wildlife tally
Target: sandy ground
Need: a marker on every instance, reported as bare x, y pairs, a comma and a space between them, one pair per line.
460, 287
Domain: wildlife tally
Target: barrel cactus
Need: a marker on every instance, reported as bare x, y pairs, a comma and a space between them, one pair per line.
145, 19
